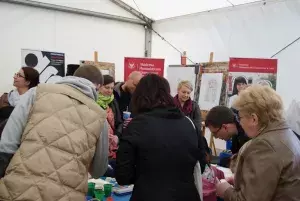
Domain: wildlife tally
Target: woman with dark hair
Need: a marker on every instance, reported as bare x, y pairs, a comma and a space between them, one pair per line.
159, 149
240, 84
25, 79
107, 101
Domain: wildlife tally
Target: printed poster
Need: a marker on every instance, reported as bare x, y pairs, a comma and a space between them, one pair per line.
50, 65
143, 65
210, 90
252, 71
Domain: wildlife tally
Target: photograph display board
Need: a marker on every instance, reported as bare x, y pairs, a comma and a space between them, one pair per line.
50, 65
252, 71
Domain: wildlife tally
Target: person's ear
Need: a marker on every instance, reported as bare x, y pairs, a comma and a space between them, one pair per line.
97, 86
254, 119
27, 83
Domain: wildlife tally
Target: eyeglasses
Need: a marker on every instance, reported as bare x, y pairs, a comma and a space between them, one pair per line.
216, 132
19, 75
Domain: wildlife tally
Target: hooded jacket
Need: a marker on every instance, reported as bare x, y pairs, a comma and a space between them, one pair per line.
53, 137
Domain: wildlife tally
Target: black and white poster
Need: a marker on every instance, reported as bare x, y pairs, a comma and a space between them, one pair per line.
50, 65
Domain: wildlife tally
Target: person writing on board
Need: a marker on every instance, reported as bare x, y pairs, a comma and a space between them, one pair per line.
240, 84
184, 102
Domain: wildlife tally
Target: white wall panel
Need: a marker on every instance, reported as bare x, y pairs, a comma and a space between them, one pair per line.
75, 35
246, 31
162, 9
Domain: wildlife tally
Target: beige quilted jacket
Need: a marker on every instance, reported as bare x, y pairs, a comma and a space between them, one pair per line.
56, 149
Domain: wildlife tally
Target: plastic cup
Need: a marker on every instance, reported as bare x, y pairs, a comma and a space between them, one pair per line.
107, 190
91, 188
99, 194
126, 115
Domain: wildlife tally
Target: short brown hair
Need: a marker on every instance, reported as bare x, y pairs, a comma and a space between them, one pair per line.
262, 101
107, 79
32, 76
218, 116
90, 72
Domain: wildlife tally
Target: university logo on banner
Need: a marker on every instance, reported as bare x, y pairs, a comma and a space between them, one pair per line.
50, 65
143, 65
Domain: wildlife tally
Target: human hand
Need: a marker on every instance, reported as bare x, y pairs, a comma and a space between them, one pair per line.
221, 187
230, 180
126, 122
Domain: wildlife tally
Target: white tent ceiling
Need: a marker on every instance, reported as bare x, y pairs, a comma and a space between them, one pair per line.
161, 9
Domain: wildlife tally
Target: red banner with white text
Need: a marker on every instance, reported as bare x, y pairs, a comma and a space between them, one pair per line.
143, 65
248, 65
250, 71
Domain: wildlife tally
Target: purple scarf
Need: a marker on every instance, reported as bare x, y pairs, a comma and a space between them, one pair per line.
187, 106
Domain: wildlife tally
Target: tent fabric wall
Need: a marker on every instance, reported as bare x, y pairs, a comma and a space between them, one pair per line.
75, 35
246, 31
156, 9
255, 31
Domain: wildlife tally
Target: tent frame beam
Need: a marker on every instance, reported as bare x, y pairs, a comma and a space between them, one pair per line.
74, 11
142, 19
133, 11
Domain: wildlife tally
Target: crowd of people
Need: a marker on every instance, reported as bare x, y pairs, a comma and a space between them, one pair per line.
53, 135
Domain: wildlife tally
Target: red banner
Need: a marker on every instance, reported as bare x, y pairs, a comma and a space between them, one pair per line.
251, 71
143, 65
253, 65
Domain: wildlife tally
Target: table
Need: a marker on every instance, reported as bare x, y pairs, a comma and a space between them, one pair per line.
121, 197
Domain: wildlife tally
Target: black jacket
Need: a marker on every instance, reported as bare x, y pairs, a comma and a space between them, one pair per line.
196, 115
4, 115
157, 153
122, 97
117, 117
4, 157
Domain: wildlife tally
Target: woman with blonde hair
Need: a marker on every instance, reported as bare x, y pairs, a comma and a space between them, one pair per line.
184, 102
268, 169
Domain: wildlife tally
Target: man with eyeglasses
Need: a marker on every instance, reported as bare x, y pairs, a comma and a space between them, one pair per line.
223, 123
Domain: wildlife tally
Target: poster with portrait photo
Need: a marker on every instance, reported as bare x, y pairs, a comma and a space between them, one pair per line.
50, 65
247, 71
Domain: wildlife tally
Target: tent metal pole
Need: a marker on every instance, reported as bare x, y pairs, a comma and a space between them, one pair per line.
133, 11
